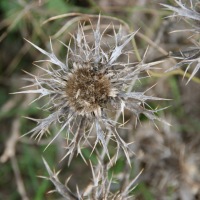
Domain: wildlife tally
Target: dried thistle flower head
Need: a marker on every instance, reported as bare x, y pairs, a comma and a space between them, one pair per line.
84, 90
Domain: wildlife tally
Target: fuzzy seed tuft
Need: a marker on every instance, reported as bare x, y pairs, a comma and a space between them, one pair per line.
88, 90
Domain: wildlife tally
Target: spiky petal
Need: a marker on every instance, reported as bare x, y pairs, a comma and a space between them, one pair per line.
82, 92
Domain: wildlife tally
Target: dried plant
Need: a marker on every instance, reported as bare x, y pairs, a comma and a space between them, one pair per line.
189, 56
172, 162
90, 94
99, 188
84, 91
184, 10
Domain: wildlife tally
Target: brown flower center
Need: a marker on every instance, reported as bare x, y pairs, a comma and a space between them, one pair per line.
87, 90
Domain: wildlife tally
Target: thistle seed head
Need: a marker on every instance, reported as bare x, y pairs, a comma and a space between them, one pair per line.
83, 91
88, 90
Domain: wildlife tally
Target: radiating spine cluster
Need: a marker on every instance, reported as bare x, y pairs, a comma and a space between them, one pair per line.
83, 91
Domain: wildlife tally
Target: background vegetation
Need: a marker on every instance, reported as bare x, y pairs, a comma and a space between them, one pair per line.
168, 155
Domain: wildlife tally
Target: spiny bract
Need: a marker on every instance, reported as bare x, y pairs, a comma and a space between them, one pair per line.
83, 91
190, 55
